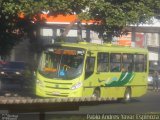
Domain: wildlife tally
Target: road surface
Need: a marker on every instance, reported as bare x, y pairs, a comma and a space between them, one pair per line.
147, 104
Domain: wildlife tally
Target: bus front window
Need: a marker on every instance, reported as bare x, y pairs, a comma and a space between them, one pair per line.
62, 63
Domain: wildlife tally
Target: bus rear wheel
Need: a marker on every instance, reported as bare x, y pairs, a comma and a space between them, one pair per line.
96, 93
127, 95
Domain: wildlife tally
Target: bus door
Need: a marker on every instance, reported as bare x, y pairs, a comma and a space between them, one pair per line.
90, 76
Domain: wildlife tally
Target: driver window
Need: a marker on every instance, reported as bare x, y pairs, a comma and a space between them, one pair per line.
90, 62
50, 64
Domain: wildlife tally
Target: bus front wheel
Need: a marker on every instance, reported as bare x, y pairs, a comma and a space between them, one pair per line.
96, 93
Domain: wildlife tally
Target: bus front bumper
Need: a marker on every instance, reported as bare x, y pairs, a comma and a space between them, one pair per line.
58, 93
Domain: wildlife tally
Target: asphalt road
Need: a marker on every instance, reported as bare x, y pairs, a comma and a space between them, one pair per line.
147, 104
135, 110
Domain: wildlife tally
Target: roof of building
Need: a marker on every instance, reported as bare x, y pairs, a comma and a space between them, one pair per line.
63, 19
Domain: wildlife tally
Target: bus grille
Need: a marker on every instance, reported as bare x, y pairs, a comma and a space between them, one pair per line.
55, 87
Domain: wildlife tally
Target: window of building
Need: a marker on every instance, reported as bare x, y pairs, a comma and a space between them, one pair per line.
45, 32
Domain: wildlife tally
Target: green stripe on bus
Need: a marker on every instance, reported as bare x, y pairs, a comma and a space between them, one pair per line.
125, 78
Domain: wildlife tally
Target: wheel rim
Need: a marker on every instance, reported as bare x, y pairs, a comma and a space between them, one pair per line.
127, 97
96, 94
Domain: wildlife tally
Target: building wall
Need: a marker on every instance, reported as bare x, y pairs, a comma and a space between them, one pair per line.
47, 35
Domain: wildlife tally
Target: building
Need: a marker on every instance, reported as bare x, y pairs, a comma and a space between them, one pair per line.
146, 35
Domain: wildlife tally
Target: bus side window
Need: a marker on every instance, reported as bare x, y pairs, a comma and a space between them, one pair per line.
139, 60
145, 63
127, 62
115, 62
102, 62
89, 66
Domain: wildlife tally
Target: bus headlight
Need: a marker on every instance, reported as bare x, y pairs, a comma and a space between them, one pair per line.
40, 83
76, 86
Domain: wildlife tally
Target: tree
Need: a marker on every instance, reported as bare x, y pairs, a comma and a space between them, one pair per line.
115, 15
111, 16
13, 28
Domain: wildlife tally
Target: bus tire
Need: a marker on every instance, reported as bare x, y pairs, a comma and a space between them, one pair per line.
96, 93
127, 95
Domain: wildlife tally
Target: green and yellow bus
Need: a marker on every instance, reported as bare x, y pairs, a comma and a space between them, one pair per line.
92, 70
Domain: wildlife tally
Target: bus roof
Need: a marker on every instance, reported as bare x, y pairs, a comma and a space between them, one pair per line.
102, 47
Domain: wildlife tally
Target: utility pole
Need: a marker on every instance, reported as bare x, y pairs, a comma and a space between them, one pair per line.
88, 35
133, 43
79, 31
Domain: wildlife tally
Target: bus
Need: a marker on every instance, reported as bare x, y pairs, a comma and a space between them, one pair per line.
92, 70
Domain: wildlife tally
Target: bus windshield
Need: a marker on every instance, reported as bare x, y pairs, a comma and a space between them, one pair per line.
62, 63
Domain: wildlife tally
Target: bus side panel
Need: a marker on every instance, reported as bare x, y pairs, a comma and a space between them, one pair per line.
112, 92
88, 91
138, 91
139, 79
138, 84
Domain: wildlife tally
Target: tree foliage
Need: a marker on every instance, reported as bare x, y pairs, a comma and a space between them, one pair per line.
111, 16
117, 14
13, 28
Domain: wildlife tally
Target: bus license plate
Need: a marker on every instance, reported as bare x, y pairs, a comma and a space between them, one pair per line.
56, 93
